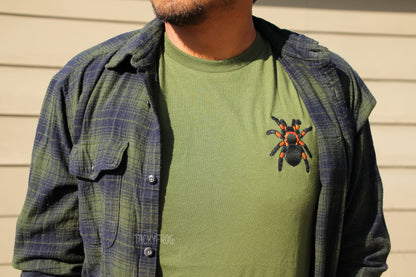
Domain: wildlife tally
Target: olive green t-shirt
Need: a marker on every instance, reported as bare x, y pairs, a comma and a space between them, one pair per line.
227, 209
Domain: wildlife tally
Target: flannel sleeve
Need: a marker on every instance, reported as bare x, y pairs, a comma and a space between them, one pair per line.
48, 242
365, 242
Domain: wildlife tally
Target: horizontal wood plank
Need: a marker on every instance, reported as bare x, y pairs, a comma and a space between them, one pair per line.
49, 41
375, 57
399, 193
402, 227
400, 265
353, 5
7, 237
395, 102
66, 38
110, 10
316, 20
9, 271
16, 139
365, 22
298, 18
393, 145
13, 189
23, 89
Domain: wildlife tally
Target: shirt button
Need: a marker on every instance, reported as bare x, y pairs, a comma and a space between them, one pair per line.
149, 252
152, 179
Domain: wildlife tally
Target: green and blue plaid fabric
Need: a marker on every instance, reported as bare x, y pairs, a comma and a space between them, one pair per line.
93, 201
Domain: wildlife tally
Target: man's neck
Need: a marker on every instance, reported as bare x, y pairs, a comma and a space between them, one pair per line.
222, 35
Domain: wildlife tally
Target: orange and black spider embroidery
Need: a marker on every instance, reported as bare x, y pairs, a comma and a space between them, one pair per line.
293, 148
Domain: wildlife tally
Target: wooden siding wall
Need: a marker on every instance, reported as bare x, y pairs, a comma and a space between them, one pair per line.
39, 37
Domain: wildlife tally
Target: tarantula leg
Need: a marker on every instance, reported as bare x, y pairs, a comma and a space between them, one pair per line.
269, 132
281, 156
276, 148
306, 161
283, 125
295, 124
306, 148
304, 132
276, 120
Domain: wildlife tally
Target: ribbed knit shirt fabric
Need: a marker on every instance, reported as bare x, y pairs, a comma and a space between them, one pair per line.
227, 209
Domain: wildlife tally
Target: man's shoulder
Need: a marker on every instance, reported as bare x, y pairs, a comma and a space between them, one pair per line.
98, 54
306, 57
287, 44
113, 51
302, 50
295, 45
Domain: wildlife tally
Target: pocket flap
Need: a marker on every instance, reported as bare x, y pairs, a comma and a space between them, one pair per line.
88, 159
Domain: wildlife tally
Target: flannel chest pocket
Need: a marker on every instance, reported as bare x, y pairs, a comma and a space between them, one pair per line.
99, 168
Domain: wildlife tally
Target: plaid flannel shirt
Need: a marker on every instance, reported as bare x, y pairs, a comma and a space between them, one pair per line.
92, 205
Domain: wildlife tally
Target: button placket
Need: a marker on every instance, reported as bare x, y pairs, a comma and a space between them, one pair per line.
152, 179
149, 252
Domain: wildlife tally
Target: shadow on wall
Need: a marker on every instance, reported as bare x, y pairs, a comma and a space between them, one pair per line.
365, 5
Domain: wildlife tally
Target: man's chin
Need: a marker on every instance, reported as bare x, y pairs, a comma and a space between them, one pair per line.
181, 16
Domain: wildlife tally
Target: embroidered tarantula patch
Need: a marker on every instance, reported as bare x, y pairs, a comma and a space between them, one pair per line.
293, 148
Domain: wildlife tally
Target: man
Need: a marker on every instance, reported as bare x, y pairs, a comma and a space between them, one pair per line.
209, 143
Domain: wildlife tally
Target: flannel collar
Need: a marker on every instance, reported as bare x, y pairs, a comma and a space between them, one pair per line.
143, 48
